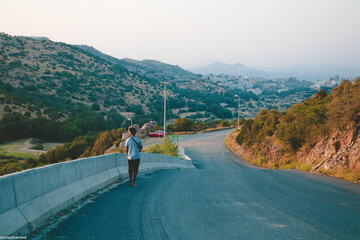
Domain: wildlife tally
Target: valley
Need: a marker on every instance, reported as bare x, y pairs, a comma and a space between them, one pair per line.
57, 92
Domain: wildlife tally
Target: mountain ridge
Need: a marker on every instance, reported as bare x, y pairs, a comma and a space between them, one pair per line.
152, 68
222, 68
301, 71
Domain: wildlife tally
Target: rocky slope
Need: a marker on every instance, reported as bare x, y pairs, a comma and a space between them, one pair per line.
340, 150
320, 136
337, 155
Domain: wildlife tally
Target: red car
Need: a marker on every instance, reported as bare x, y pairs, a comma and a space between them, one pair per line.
157, 134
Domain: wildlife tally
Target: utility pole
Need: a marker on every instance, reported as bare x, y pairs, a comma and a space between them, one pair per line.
165, 83
238, 110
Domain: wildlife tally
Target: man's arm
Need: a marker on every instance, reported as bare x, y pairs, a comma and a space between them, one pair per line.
141, 145
127, 147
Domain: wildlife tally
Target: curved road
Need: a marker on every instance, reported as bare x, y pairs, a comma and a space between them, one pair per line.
225, 198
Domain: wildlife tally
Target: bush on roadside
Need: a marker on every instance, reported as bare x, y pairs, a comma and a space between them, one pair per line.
223, 123
83, 146
305, 167
14, 165
183, 124
166, 148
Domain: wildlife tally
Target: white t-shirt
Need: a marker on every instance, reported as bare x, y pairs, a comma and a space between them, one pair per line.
133, 148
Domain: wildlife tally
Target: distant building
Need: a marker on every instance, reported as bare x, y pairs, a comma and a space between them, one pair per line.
256, 91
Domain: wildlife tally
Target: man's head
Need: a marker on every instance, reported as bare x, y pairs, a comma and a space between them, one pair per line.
132, 131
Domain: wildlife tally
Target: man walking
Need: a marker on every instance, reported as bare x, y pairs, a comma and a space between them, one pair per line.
133, 147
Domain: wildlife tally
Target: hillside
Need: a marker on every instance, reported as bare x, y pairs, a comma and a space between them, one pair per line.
105, 83
57, 91
66, 71
319, 135
285, 93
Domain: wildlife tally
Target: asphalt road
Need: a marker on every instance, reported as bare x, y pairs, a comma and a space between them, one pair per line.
225, 198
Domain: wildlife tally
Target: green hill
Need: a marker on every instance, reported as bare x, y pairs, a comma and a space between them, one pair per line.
63, 70
57, 91
320, 134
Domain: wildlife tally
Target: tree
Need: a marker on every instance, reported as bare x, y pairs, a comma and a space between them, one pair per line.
7, 108
104, 142
95, 107
183, 124
224, 123
220, 112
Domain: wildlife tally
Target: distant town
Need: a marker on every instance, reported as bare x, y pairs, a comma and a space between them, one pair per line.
259, 85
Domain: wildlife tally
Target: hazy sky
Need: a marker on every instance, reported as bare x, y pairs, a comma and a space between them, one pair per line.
258, 33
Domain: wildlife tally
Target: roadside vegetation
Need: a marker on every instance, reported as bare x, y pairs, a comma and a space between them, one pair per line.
305, 123
92, 144
95, 143
167, 147
278, 139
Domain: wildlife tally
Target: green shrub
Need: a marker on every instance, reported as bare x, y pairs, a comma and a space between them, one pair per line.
95, 107
302, 124
183, 124
305, 167
166, 148
7, 109
38, 146
70, 150
106, 140
224, 123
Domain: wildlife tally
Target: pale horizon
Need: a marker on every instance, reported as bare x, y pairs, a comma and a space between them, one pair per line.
260, 34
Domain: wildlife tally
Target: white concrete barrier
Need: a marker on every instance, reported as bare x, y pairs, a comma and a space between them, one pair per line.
11, 219
30, 197
182, 153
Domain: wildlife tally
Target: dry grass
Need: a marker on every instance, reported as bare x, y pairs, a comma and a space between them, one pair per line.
21, 149
288, 166
354, 174
305, 167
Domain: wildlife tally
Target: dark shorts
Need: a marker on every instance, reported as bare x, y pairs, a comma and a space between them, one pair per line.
134, 165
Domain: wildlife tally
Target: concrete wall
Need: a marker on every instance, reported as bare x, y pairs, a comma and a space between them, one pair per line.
30, 197
182, 153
